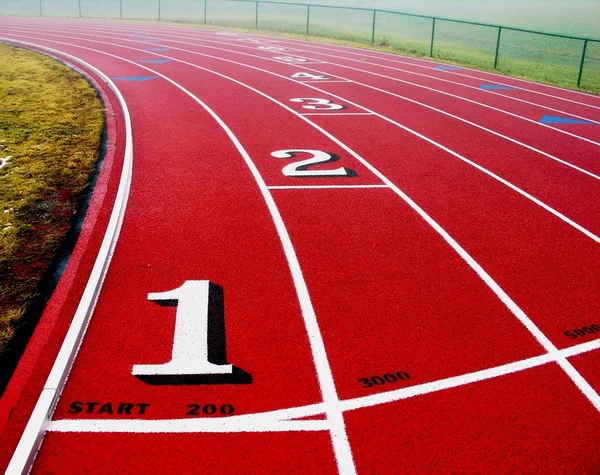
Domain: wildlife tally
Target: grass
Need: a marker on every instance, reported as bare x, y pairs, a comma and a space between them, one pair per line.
51, 122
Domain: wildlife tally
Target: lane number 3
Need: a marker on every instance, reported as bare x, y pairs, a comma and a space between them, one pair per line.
318, 104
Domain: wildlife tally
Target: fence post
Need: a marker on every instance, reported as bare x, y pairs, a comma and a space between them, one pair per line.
79, 8
205, 11
582, 63
432, 36
158, 10
373, 32
307, 17
121, 9
497, 48
256, 17
41, 8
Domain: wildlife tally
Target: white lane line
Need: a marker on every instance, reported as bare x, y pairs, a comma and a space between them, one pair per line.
316, 80
338, 113
34, 431
325, 187
497, 134
579, 381
218, 425
339, 437
269, 421
489, 173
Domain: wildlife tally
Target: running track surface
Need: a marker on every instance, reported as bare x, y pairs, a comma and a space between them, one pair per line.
428, 302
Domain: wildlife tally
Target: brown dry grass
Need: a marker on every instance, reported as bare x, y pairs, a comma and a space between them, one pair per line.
51, 122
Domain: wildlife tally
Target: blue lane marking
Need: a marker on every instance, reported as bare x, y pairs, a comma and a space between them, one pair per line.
134, 78
496, 87
153, 40
156, 49
552, 119
154, 61
441, 67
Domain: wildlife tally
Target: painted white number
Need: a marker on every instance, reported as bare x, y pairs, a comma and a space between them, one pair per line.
198, 355
318, 104
249, 40
300, 169
272, 48
290, 59
308, 76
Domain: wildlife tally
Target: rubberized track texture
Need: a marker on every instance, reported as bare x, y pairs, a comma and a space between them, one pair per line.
325, 260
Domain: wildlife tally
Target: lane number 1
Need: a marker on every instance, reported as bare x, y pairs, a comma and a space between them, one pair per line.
199, 352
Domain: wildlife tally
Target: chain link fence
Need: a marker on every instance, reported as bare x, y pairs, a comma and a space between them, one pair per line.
556, 59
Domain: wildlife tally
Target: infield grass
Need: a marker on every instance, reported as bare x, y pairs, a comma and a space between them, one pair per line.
51, 122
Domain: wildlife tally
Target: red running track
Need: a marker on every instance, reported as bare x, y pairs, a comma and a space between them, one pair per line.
408, 255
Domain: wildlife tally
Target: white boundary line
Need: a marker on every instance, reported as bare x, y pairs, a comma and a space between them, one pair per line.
487, 172
448, 114
338, 113
324, 187
34, 432
325, 80
221, 424
274, 421
542, 339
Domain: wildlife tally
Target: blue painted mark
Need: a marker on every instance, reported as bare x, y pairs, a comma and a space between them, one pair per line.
441, 67
154, 61
134, 78
496, 87
153, 40
156, 49
552, 119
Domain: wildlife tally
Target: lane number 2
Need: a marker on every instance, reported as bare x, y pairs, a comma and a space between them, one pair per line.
301, 168
318, 104
199, 353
